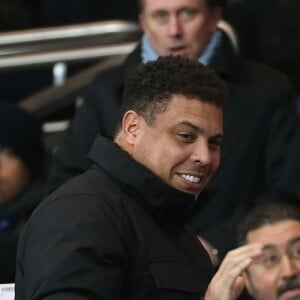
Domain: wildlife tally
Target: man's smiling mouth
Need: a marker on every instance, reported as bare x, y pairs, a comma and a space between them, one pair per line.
191, 178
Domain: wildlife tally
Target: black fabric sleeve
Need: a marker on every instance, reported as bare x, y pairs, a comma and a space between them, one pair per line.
71, 251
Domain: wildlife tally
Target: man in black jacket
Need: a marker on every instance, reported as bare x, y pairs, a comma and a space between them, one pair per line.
117, 231
259, 118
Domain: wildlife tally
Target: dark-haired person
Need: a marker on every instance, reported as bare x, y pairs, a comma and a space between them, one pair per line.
259, 118
21, 185
275, 275
268, 261
118, 230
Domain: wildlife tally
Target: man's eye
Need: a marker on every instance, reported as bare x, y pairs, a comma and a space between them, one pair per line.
160, 16
214, 145
296, 253
188, 14
271, 260
295, 250
186, 137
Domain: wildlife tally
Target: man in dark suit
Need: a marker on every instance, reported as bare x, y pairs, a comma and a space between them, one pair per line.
259, 118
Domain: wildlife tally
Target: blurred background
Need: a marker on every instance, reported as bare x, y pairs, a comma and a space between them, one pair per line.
267, 31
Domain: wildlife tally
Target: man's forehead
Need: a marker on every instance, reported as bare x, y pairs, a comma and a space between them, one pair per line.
171, 4
183, 103
293, 241
279, 233
205, 118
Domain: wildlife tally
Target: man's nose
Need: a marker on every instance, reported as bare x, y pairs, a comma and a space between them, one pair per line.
175, 26
202, 154
289, 267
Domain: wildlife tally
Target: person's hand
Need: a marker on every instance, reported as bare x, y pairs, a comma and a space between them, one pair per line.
228, 282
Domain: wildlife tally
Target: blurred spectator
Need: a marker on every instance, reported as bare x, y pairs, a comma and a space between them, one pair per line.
268, 259
22, 156
276, 273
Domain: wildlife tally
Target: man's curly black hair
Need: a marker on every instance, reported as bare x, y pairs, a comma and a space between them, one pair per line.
152, 85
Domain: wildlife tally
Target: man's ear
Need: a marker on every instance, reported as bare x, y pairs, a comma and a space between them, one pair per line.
131, 125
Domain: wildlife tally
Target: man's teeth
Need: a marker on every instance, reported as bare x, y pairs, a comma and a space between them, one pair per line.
193, 179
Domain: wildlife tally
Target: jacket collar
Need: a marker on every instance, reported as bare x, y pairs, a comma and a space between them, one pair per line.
145, 187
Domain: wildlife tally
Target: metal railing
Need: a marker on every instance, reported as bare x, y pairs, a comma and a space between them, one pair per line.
73, 43
54, 98
105, 44
113, 46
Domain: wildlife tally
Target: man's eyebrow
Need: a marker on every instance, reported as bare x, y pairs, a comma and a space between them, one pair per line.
294, 240
186, 123
198, 129
272, 246
269, 247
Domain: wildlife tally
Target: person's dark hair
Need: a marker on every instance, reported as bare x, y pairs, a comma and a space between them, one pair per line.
151, 86
266, 213
211, 3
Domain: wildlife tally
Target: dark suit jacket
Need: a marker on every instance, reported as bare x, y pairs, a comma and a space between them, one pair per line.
259, 121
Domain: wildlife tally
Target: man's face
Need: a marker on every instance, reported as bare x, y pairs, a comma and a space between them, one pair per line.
179, 27
14, 176
182, 147
276, 275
